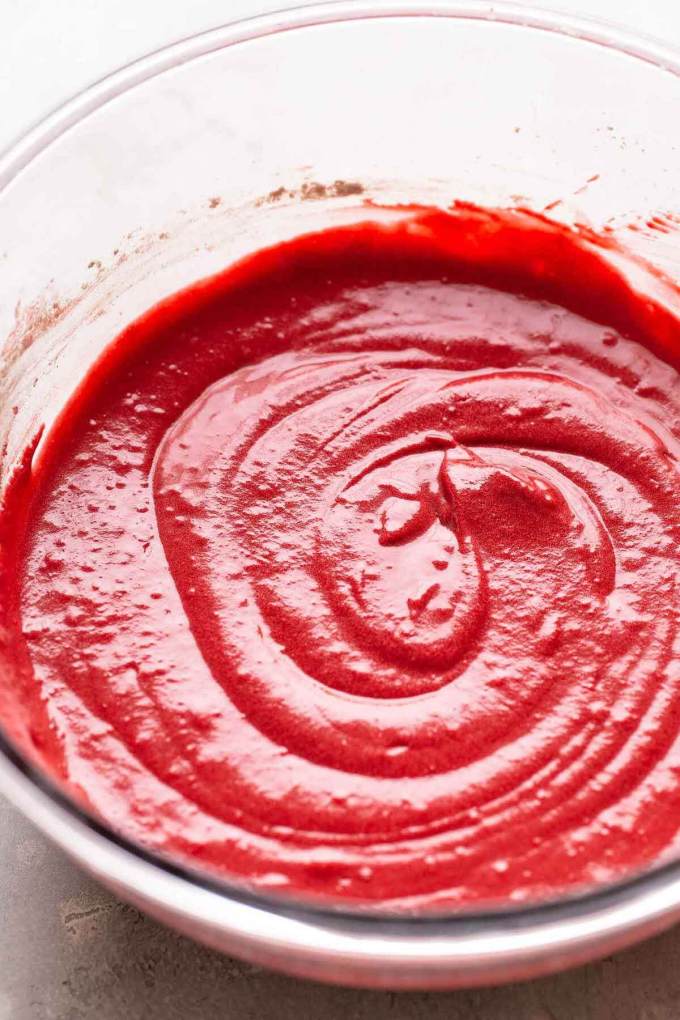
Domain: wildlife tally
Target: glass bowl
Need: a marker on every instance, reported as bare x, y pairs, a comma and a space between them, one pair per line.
182, 162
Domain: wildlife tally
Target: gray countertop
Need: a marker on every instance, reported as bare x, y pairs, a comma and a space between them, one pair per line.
69, 950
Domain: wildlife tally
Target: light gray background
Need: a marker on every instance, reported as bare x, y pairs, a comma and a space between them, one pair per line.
69, 950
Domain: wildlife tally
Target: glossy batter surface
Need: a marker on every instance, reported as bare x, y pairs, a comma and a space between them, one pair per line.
355, 573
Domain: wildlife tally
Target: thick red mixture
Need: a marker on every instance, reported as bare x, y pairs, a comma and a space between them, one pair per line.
354, 572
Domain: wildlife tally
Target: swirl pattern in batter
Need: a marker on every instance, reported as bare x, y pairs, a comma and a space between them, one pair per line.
358, 575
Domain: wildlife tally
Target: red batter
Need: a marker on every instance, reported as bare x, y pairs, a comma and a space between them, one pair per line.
354, 571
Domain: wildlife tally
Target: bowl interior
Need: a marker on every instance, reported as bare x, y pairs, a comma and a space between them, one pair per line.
252, 134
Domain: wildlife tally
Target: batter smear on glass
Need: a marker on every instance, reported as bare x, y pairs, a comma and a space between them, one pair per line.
354, 571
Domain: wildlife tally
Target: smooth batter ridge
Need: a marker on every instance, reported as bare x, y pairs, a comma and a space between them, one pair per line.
354, 572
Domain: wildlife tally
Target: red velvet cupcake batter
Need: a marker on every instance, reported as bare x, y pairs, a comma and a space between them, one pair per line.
354, 572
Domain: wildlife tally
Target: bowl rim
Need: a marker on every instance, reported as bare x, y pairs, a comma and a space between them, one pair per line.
485, 937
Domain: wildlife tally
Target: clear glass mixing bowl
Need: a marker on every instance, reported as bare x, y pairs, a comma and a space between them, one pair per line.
180, 163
